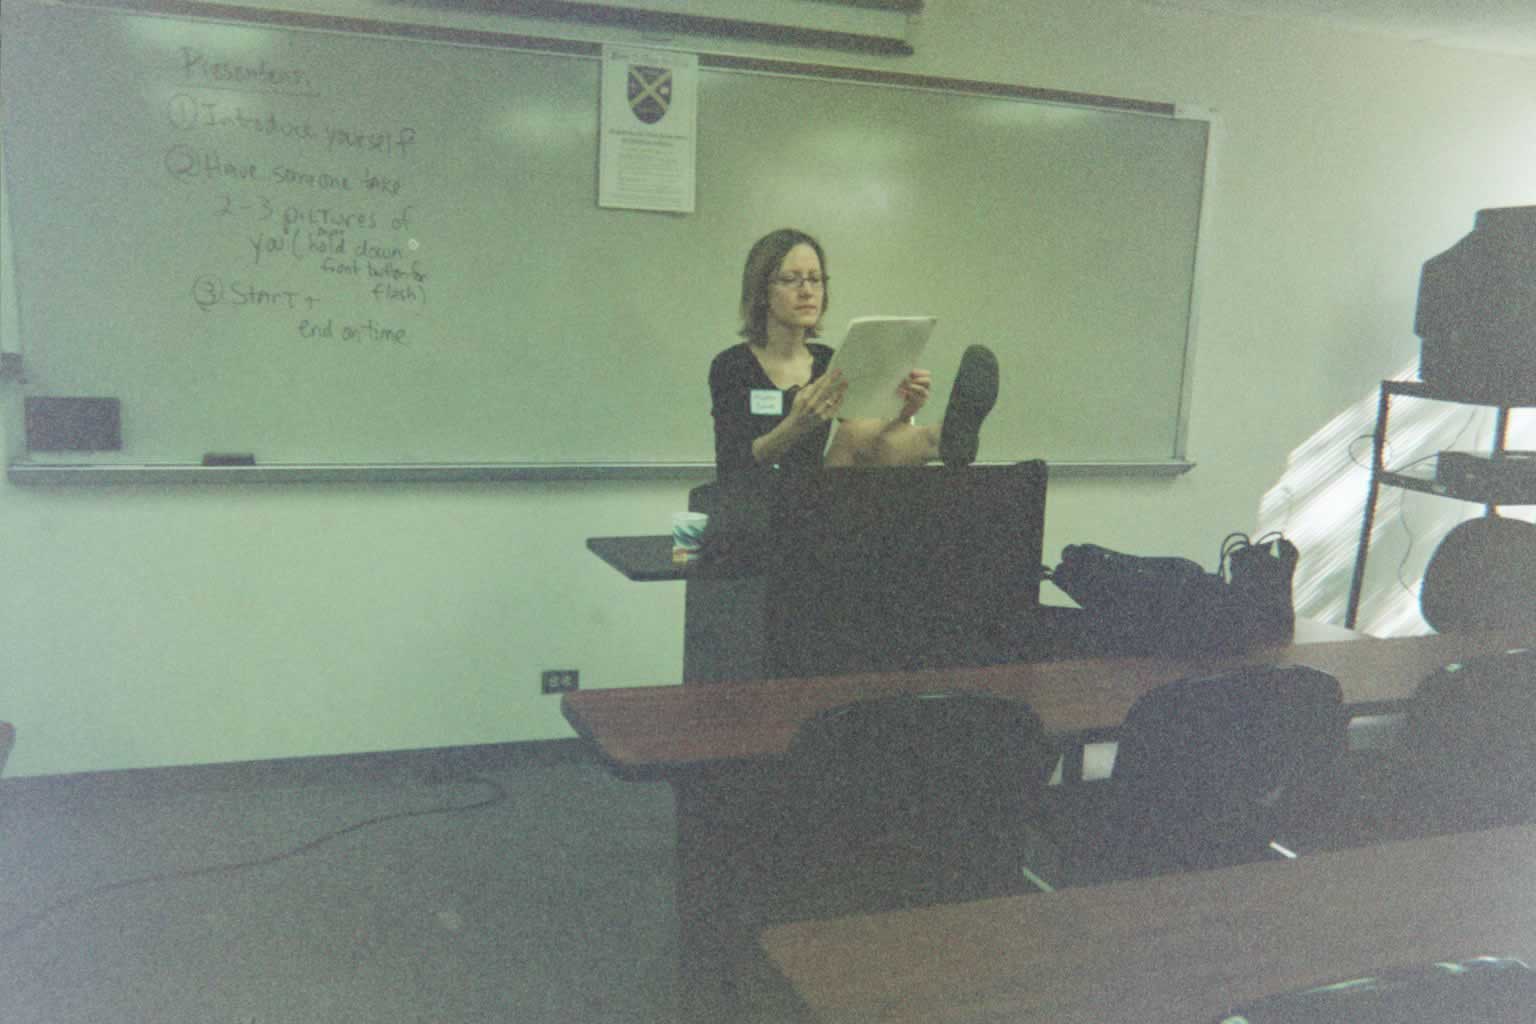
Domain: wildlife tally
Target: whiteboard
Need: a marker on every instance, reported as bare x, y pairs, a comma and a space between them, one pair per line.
346, 248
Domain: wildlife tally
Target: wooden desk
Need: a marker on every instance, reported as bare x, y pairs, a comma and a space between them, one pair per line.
659, 732
720, 747
1179, 949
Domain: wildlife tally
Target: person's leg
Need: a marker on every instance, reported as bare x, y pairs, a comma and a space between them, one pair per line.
877, 443
897, 443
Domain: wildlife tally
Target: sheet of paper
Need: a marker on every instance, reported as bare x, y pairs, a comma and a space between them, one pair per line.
875, 357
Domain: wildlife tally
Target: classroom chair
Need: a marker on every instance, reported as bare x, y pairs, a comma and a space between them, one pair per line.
1209, 772
905, 801
1481, 577
1466, 758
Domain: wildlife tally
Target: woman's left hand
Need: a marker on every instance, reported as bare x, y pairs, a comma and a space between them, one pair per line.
914, 392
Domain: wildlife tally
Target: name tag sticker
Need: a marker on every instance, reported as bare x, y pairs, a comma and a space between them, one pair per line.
766, 402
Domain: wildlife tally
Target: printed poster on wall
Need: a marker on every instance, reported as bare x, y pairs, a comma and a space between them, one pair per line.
649, 119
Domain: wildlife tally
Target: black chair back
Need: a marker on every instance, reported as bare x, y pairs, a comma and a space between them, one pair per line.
1209, 771
910, 799
1469, 747
1482, 576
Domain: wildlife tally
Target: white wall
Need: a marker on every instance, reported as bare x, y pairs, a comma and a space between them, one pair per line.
160, 626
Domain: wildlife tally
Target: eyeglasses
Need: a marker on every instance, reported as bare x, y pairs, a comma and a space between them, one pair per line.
813, 281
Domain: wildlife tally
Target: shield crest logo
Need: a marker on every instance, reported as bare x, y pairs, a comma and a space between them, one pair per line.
650, 92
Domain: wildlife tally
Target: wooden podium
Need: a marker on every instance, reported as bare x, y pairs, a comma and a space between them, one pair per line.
854, 570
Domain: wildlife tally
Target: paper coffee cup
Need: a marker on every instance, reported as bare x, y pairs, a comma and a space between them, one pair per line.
687, 534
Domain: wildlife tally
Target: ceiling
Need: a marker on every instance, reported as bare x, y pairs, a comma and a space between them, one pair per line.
1497, 26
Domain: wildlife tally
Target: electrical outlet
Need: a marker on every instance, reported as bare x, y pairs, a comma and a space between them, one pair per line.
560, 680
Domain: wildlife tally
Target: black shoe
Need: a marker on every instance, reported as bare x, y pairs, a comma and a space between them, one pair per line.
971, 398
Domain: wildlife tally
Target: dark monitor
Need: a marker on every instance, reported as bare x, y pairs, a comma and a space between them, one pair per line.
1476, 313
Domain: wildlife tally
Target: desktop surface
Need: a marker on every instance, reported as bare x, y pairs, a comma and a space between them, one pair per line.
1177, 949
716, 745
653, 731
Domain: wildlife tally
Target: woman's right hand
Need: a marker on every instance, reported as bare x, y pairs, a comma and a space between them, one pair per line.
817, 402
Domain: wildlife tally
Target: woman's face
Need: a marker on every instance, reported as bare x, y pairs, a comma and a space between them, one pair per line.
794, 301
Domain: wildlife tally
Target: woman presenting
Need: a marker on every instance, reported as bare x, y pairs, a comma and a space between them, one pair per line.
774, 403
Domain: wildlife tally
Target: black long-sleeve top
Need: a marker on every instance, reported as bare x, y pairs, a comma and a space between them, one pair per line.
744, 405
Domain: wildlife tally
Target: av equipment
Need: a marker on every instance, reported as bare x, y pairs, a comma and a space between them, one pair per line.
1499, 478
1476, 317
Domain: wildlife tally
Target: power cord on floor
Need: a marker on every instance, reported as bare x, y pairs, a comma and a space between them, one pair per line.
37, 917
